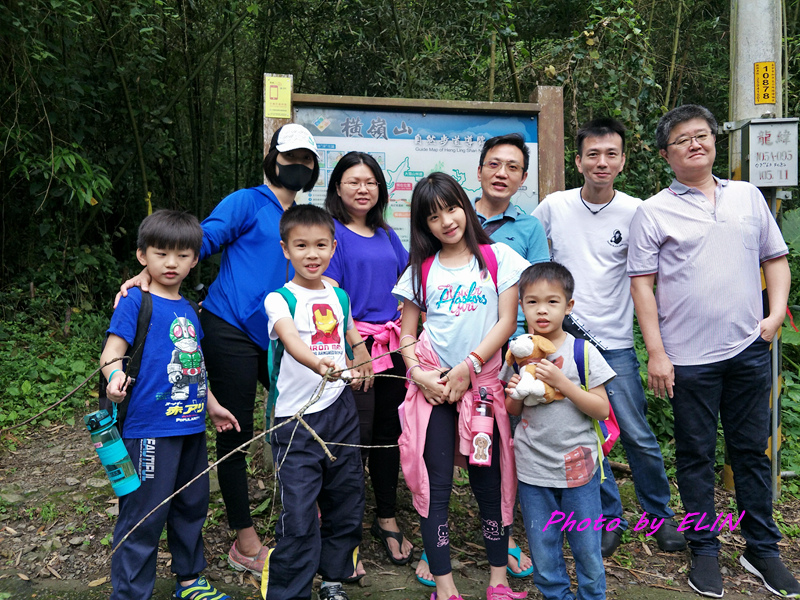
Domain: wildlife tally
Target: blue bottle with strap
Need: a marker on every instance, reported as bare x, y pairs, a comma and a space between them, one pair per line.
112, 452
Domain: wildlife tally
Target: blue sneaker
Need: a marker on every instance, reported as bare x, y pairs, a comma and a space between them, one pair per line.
199, 590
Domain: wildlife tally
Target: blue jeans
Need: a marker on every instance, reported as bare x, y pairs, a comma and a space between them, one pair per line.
547, 541
737, 390
627, 398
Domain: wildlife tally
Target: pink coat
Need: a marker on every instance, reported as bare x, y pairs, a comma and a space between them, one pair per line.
385, 338
415, 413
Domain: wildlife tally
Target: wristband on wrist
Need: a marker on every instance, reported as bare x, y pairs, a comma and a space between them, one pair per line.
476, 364
407, 335
476, 355
112, 374
408, 373
354, 346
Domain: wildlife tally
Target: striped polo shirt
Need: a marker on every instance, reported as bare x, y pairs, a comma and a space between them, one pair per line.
706, 260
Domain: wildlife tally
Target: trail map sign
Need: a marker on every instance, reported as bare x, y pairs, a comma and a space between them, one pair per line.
409, 145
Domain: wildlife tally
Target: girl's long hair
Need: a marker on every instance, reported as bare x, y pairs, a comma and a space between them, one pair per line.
439, 190
334, 203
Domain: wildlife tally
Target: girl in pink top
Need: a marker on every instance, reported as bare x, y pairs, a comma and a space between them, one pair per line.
468, 290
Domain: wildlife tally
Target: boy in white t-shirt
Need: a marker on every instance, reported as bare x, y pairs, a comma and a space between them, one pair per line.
556, 447
313, 333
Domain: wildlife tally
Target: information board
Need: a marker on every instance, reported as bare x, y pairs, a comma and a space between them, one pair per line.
769, 147
410, 145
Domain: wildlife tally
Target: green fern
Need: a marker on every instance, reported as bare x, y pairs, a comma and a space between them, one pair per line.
790, 225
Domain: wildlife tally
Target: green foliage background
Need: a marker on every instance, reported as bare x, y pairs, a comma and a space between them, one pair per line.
105, 103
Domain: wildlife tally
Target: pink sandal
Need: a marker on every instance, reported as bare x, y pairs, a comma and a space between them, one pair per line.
503, 592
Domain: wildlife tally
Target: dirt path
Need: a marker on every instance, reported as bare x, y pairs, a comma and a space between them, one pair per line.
57, 513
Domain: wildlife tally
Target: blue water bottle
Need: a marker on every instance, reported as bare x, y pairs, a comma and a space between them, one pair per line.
112, 452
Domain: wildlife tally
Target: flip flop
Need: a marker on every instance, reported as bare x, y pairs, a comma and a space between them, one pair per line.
420, 579
383, 535
516, 553
355, 578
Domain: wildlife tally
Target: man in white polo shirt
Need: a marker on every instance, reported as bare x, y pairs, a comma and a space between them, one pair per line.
701, 241
588, 228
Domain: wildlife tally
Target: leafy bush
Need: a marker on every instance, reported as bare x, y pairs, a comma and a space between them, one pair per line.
41, 366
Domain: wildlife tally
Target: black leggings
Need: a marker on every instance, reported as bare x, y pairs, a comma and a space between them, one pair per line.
380, 426
235, 364
440, 443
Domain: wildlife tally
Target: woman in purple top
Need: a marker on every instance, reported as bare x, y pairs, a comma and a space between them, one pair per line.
368, 260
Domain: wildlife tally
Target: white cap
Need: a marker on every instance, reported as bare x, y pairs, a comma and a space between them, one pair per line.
292, 137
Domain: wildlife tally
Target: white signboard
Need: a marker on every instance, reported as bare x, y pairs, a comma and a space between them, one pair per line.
772, 152
410, 145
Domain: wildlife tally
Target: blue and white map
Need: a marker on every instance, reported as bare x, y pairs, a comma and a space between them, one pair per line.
410, 145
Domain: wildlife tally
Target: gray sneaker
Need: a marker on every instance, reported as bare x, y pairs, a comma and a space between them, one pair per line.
335, 591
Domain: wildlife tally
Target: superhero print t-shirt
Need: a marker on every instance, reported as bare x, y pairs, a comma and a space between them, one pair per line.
319, 319
169, 396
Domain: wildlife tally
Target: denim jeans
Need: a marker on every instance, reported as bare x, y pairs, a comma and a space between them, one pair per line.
736, 389
627, 398
547, 542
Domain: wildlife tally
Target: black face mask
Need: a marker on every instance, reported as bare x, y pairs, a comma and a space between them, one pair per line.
294, 177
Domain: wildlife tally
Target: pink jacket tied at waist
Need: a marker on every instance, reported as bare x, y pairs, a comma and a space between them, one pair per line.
386, 338
415, 413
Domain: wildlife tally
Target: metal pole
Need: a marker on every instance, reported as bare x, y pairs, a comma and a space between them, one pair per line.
756, 27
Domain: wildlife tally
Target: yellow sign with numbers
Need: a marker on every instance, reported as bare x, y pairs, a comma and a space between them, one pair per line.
765, 83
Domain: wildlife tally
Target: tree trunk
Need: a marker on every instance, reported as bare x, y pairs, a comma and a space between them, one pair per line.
492, 66
512, 67
675, 40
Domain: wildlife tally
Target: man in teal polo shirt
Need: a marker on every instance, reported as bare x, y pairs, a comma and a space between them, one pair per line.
502, 170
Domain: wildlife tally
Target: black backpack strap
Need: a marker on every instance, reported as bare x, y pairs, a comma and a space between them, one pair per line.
196, 308
495, 225
135, 352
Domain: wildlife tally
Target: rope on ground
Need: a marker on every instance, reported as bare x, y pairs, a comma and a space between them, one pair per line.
296, 417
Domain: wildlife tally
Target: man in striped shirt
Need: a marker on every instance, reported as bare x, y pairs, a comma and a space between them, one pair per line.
702, 241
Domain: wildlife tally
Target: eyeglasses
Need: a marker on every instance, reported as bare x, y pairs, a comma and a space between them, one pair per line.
684, 142
355, 185
495, 165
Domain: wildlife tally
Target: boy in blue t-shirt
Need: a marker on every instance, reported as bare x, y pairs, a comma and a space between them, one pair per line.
165, 429
314, 335
556, 447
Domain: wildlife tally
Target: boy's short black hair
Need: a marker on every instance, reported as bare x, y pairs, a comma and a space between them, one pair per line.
305, 215
510, 139
548, 271
170, 230
599, 128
